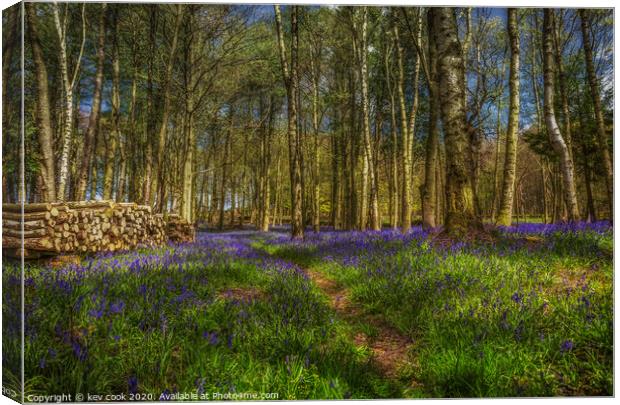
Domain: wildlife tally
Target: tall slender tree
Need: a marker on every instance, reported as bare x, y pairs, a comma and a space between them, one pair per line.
375, 221
291, 79
114, 134
555, 135
68, 81
510, 162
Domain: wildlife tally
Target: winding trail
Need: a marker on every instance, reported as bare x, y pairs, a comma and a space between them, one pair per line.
389, 348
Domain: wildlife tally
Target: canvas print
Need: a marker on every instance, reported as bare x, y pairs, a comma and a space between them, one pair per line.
208, 202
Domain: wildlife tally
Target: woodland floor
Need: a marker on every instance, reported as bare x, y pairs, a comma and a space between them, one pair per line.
527, 312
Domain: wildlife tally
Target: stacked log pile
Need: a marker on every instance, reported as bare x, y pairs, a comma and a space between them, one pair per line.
179, 230
86, 227
46, 227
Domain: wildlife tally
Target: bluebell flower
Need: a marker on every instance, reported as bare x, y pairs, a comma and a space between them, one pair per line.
96, 313
567, 346
80, 352
117, 307
230, 340
142, 289
132, 384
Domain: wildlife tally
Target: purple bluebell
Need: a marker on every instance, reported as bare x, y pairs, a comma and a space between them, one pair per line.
567, 346
132, 384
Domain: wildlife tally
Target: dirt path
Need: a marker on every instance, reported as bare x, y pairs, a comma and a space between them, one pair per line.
388, 346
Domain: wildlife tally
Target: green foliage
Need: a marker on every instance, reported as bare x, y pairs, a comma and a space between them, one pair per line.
491, 324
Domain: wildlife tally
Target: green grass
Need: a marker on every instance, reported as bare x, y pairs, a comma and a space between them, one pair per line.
486, 321
287, 342
491, 325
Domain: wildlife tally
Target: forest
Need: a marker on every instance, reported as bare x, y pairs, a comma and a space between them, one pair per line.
187, 108
389, 202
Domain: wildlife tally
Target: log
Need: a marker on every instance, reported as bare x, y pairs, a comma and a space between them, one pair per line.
90, 226
33, 216
44, 244
36, 233
79, 205
34, 207
28, 226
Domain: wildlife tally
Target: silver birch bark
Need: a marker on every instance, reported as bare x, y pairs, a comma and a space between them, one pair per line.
553, 130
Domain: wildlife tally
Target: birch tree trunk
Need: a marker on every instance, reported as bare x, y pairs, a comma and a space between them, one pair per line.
68, 84
563, 91
375, 222
504, 217
393, 151
555, 135
405, 218
187, 201
408, 161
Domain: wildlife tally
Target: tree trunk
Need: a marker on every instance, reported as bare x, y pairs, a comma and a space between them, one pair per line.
113, 138
294, 137
165, 116
504, 217
429, 192
375, 222
393, 141
562, 86
405, 161
335, 175
602, 139
460, 216
224, 178
264, 167
188, 198
543, 179
68, 84
555, 135
44, 123
11, 40
315, 67
496, 169
150, 109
